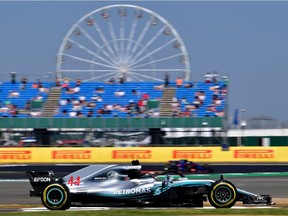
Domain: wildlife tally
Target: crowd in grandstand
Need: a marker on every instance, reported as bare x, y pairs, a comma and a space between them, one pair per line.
115, 99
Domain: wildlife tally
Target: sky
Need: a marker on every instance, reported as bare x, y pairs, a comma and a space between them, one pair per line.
246, 41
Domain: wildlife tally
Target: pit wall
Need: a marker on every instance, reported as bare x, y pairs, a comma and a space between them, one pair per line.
145, 155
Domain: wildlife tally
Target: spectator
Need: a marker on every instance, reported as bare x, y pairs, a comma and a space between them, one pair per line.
99, 89
23, 83
119, 93
66, 80
201, 96
175, 104
63, 102
82, 99
225, 80
223, 90
91, 105
208, 77
145, 96
57, 82
111, 81
4, 109
217, 101
90, 112
39, 97
13, 77
14, 110
196, 102
79, 114
220, 113
44, 90
179, 82
97, 98
78, 82
65, 86
39, 82
72, 114
64, 112
215, 77
134, 92
28, 105
121, 79
159, 87
166, 80
35, 85
73, 90
14, 93
184, 101
188, 85
187, 113
77, 106
141, 105
35, 113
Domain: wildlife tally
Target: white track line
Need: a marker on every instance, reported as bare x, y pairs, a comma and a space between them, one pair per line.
108, 208
71, 209
13, 180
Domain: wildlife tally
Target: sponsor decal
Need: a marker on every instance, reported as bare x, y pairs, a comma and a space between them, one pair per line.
100, 178
254, 153
192, 154
15, 155
112, 175
133, 191
72, 154
260, 197
42, 179
132, 167
81, 191
131, 154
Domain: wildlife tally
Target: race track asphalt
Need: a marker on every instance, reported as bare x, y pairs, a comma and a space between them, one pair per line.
18, 192
14, 187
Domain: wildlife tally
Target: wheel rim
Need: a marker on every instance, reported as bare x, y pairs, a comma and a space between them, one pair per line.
123, 40
55, 196
223, 194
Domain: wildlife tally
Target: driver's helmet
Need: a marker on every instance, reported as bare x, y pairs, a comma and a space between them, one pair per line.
134, 173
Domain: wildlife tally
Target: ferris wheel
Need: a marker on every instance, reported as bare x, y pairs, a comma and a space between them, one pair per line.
125, 41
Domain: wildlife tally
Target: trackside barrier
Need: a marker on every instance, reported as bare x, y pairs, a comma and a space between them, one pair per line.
144, 154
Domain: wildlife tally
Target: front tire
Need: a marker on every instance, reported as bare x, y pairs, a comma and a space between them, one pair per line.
56, 197
222, 194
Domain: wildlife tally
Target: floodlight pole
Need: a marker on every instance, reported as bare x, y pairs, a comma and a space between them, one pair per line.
239, 140
225, 144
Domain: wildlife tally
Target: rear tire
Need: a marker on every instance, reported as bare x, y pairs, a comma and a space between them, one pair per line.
222, 194
56, 197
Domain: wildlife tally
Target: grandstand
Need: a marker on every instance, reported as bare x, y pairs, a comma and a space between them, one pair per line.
181, 102
201, 100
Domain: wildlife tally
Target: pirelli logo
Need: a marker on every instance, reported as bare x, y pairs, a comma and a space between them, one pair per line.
15, 155
254, 153
131, 154
192, 154
72, 154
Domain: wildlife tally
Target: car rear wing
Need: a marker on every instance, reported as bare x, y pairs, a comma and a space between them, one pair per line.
39, 180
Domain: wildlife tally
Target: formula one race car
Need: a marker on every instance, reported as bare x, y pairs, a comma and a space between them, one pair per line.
124, 185
185, 166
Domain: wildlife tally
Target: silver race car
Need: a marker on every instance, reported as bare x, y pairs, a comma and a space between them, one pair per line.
125, 185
